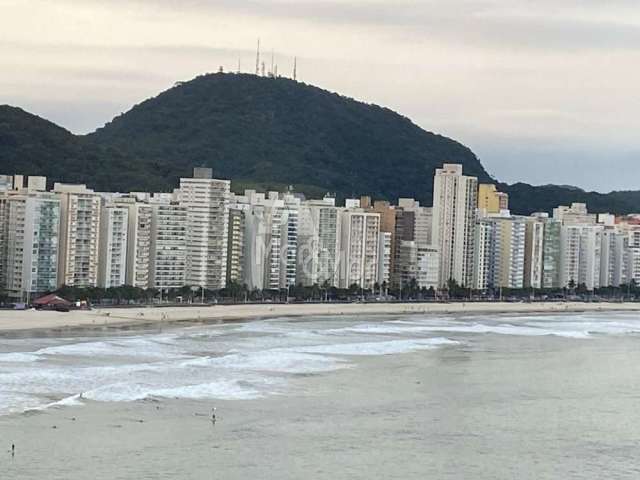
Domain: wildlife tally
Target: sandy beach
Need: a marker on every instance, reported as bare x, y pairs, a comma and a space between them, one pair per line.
11, 321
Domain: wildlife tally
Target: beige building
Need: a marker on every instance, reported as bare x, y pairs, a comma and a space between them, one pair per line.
79, 235
235, 246
490, 200
422, 217
576, 214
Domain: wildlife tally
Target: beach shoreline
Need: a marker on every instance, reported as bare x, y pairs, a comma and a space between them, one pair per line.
12, 321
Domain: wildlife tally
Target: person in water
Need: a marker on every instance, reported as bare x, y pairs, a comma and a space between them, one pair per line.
213, 415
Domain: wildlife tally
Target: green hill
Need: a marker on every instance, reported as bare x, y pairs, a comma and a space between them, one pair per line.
277, 131
263, 133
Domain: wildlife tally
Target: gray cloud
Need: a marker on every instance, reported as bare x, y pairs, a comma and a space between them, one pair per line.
539, 25
542, 91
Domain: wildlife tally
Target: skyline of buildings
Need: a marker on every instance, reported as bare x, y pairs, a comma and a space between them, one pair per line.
204, 236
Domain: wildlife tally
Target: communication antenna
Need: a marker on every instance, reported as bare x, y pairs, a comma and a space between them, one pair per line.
258, 59
295, 68
271, 71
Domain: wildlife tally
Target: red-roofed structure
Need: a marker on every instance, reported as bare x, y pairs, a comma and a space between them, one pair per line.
52, 301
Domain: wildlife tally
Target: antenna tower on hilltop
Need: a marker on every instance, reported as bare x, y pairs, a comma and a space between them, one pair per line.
258, 59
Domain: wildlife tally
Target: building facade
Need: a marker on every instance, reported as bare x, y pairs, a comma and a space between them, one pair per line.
112, 260
168, 253
206, 201
455, 201
360, 234
79, 235
32, 243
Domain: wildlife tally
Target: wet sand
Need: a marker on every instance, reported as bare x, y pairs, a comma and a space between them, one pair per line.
11, 321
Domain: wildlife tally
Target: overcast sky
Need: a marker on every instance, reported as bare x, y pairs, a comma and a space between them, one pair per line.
544, 91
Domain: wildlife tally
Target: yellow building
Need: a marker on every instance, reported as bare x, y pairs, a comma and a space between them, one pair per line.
490, 200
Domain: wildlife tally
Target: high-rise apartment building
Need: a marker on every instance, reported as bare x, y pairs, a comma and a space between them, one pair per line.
138, 265
79, 235
31, 248
360, 234
581, 247
534, 253
235, 246
271, 238
551, 251
289, 253
631, 245
385, 251
4, 233
455, 200
206, 201
168, 252
613, 269
500, 253
112, 260
404, 232
319, 242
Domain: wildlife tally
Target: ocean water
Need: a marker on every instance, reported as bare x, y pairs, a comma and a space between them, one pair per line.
541, 396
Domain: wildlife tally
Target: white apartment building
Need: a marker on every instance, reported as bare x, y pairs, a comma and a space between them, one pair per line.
112, 261
4, 233
613, 268
419, 263
631, 246
455, 198
428, 266
318, 242
168, 252
534, 253
271, 238
360, 234
500, 252
31, 243
138, 271
289, 253
581, 247
79, 235
576, 214
384, 258
483, 275
206, 201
